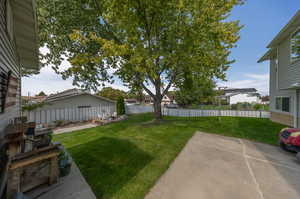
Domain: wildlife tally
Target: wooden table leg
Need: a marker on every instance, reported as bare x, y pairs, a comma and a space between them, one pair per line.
54, 171
13, 182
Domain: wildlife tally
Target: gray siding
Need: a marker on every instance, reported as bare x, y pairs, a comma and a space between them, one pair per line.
289, 72
274, 91
8, 61
80, 100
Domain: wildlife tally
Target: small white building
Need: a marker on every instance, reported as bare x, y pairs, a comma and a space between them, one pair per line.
244, 97
240, 95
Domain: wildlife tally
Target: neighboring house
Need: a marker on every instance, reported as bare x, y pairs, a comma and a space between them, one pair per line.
33, 99
19, 51
240, 95
166, 100
284, 56
131, 101
265, 100
76, 98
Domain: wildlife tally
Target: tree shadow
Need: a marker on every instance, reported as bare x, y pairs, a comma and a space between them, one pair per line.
109, 163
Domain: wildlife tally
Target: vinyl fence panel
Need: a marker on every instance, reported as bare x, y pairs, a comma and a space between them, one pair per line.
135, 109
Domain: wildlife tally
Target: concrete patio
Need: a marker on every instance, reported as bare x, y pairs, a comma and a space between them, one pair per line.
72, 186
217, 167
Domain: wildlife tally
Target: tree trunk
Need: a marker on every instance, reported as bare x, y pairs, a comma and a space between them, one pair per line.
157, 109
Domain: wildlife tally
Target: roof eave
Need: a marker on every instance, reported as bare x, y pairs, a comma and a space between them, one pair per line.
268, 55
25, 33
78, 94
278, 38
265, 57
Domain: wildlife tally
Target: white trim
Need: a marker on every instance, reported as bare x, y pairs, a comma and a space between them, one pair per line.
277, 68
296, 109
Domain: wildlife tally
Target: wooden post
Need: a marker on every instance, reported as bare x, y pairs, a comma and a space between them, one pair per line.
54, 171
13, 182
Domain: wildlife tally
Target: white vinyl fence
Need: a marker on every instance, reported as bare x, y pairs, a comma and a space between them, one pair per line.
134, 109
70, 114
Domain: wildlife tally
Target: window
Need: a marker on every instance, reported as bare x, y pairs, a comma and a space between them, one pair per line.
4, 77
283, 104
295, 46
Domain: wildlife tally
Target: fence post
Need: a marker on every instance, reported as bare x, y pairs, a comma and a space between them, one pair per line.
260, 114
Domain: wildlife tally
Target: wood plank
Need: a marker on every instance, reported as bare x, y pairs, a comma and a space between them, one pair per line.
35, 152
29, 161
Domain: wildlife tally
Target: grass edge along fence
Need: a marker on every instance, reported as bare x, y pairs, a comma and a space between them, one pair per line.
136, 109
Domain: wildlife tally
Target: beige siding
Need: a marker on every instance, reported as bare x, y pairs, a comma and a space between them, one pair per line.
282, 118
8, 62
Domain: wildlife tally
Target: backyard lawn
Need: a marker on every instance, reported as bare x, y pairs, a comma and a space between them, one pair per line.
123, 160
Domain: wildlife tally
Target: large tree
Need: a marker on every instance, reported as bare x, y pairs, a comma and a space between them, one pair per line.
149, 44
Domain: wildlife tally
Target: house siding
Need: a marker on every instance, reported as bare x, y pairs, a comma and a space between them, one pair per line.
282, 118
75, 101
244, 97
289, 72
275, 91
8, 62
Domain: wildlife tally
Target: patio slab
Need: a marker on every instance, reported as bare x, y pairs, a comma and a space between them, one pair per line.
217, 167
72, 186
74, 128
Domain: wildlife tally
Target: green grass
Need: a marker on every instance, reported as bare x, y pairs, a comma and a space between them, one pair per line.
123, 160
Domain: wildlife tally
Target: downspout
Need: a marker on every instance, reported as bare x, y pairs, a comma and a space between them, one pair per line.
296, 109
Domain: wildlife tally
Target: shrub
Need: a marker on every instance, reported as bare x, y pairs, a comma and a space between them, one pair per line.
257, 107
120, 106
234, 107
58, 123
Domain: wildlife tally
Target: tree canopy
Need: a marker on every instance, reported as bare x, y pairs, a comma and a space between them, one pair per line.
41, 94
111, 93
147, 44
196, 93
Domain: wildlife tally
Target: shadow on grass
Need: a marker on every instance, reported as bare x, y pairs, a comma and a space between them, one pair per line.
109, 163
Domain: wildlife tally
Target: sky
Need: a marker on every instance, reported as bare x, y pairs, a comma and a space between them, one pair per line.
262, 20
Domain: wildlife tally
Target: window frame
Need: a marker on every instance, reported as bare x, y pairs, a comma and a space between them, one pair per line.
292, 61
281, 105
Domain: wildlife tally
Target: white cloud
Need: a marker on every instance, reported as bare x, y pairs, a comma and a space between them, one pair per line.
47, 81
258, 81
50, 82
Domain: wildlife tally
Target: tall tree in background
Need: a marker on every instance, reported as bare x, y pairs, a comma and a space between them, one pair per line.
195, 92
111, 93
41, 94
136, 93
152, 44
